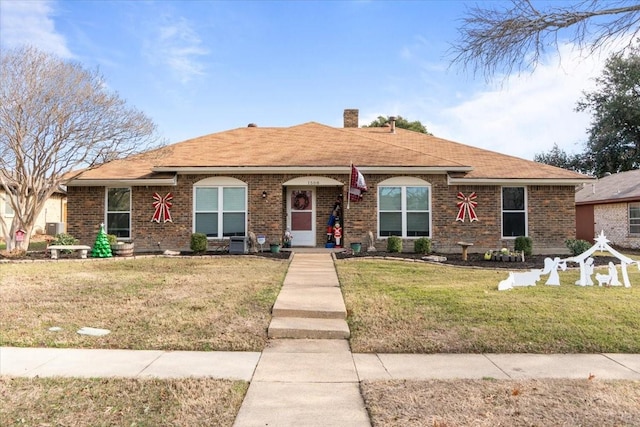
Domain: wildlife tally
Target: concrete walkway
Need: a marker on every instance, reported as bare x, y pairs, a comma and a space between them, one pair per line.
307, 374
51, 362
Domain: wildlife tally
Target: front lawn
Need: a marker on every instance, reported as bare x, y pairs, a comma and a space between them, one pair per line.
207, 303
224, 303
401, 307
119, 402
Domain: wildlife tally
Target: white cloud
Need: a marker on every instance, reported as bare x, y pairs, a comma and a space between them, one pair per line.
30, 22
530, 113
176, 44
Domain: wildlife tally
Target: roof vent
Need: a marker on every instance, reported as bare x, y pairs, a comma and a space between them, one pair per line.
392, 120
252, 125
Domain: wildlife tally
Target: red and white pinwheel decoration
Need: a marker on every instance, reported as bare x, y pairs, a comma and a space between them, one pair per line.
467, 206
162, 206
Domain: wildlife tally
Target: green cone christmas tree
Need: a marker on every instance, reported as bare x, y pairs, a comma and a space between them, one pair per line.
101, 248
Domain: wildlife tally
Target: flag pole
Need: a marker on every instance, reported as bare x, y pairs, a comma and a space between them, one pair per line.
349, 188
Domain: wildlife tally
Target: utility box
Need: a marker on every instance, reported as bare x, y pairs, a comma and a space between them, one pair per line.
238, 245
53, 228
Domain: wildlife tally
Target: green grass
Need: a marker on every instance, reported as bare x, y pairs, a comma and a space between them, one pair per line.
424, 308
33, 246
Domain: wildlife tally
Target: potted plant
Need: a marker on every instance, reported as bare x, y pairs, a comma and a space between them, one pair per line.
356, 247
275, 247
120, 248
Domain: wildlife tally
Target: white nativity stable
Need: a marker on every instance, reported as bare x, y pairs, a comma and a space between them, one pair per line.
586, 263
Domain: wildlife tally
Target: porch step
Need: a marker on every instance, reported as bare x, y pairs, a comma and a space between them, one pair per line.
316, 303
298, 327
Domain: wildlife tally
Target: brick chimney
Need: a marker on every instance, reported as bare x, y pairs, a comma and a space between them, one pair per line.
351, 118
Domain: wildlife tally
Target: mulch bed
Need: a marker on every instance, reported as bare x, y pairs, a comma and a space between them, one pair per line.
42, 255
477, 260
473, 260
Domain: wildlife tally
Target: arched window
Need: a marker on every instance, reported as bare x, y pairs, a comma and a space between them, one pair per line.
220, 207
404, 207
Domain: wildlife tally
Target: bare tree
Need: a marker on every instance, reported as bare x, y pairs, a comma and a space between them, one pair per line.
493, 39
56, 117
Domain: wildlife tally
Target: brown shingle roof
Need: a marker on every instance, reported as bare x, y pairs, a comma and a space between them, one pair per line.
623, 186
316, 145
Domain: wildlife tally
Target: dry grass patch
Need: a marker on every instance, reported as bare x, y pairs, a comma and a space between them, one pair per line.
448, 403
400, 307
122, 402
147, 303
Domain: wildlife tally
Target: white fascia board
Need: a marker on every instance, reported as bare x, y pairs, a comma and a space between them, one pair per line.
516, 181
311, 169
121, 182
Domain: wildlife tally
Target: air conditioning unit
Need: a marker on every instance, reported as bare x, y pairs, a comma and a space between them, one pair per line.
238, 245
53, 228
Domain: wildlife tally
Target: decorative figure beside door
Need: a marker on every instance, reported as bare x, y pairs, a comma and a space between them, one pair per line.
337, 234
287, 238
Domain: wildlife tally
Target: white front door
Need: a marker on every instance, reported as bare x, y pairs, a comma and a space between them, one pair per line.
301, 216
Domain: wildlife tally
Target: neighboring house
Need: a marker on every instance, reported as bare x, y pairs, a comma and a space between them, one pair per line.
54, 212
268, 180
610, 204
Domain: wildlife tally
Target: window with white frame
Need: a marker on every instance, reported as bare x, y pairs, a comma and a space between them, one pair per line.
634, 218
514, 212
220, 207
119, 212
404, 207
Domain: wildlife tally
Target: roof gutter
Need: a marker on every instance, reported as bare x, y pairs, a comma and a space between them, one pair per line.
609, 201
122, 182
255, 170
516, 181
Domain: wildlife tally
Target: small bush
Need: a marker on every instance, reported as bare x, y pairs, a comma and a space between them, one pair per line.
577, 246
64, 239
524, 244
198, 242
422, 245
394, 244
112, 238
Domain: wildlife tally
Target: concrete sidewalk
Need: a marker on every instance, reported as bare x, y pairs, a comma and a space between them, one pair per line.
315, 355
307, 375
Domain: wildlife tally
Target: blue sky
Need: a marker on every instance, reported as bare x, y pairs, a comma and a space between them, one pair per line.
199, 67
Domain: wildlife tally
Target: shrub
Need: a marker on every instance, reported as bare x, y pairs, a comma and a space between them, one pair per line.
198, 242
112, 238
64, 239
577, 246
394, 244
422, 245
524, 244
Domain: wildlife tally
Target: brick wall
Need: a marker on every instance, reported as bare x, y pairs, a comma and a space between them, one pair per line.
613, 219
552, 217
551, 214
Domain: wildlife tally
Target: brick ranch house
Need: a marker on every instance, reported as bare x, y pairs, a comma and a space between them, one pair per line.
610, 204
267, 180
